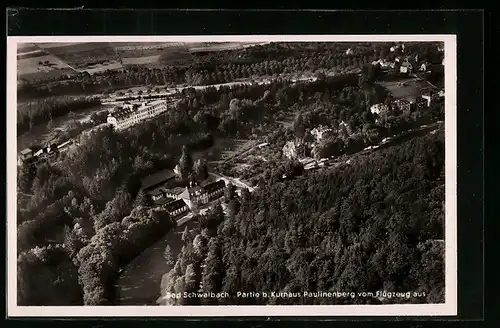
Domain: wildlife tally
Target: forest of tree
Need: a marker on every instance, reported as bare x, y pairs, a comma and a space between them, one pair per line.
86, 217
376, 225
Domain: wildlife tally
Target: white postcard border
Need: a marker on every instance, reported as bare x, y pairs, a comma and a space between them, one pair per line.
449, 308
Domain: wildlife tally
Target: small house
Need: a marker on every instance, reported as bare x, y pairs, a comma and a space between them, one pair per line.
406, 68
24, 155
157, 194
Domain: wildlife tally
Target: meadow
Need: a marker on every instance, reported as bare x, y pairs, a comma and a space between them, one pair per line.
405, 89
40, 64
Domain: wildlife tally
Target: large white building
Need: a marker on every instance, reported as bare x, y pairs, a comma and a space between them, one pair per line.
131, 114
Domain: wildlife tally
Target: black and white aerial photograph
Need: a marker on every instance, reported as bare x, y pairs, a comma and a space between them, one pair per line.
235, 173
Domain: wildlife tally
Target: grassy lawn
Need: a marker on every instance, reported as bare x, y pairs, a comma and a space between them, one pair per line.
111, 65
140, 60
32, 65
408, 88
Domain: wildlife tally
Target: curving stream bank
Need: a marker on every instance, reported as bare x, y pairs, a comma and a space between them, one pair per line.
139, 283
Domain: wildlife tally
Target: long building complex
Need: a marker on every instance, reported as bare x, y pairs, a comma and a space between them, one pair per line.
131, 114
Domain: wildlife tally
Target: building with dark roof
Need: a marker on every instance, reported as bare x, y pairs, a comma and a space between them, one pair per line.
24, 155
176, 207
157, 194
156, 179
215, 189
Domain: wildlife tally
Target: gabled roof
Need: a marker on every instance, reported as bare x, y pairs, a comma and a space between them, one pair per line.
157, 178
155, 191
175, 191
196, 190
215, 186
26, 151
185, 194
175, 205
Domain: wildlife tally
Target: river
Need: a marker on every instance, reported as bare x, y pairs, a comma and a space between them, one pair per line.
139, 283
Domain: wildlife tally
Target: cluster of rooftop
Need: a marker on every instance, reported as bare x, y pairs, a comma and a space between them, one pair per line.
178, 200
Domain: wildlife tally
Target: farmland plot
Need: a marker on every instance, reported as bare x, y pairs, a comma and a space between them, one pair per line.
111, 65
40, 64
83, 55
141, 60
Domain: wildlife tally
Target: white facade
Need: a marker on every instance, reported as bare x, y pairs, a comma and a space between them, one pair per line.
405, 69
128, 116
428, 98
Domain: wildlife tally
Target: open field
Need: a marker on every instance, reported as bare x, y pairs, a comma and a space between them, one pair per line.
26, 47
82, 55
111, 65
30, 54
143, 49
43, 76
236, 148
44, 64
55, 45
68, 48
407, 89
131, 46
222, 46
141, 60
95, 57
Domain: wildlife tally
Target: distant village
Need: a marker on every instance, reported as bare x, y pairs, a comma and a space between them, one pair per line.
401, 67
